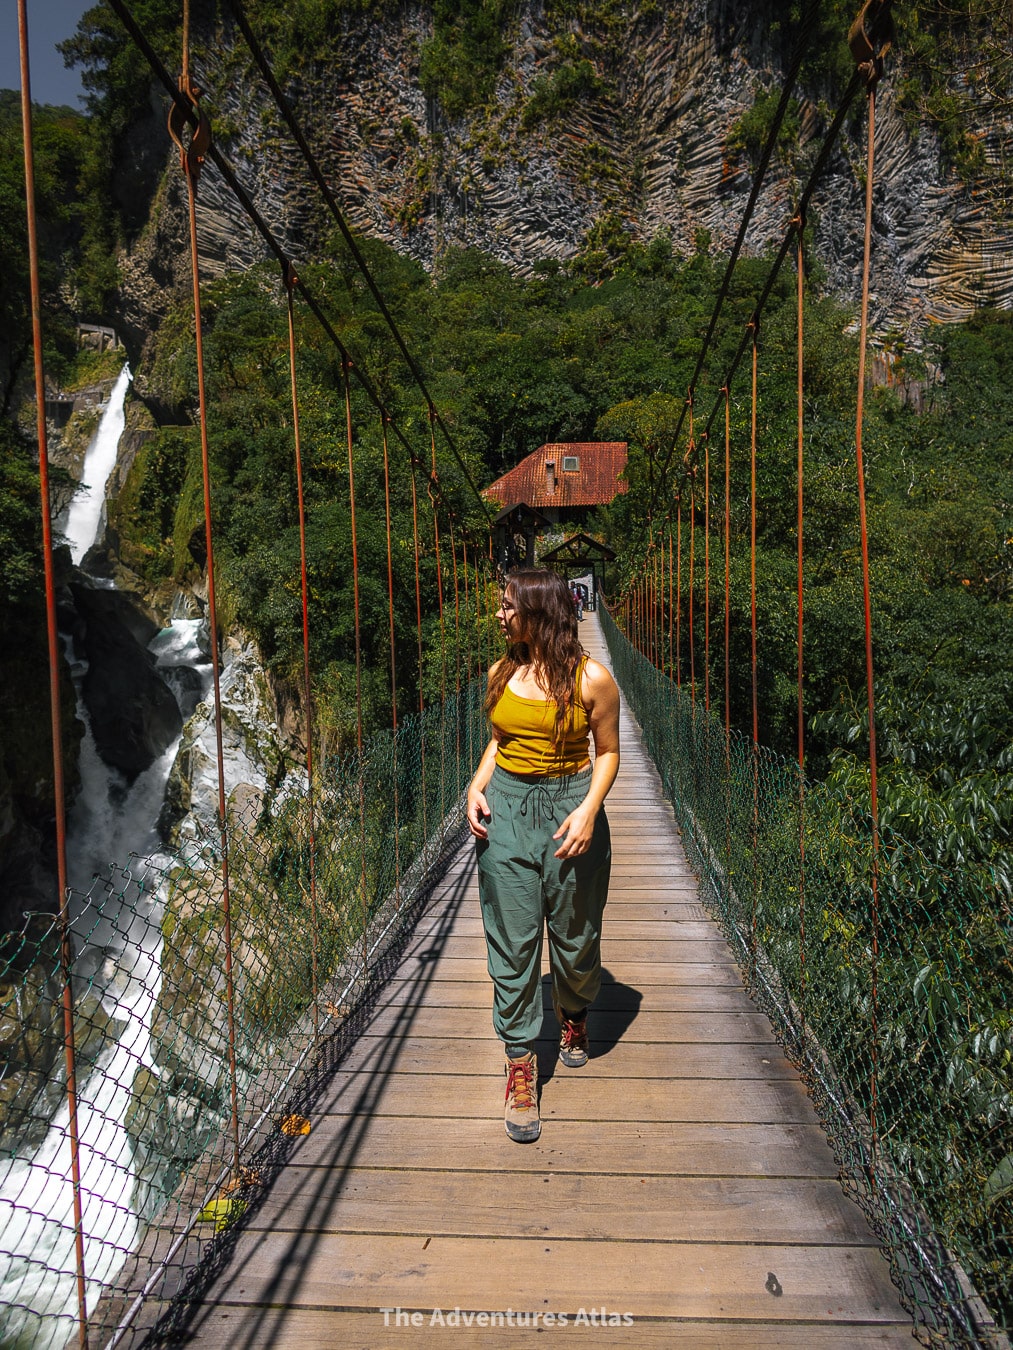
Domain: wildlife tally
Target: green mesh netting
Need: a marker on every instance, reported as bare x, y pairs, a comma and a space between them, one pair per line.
898, 1014
157, 1153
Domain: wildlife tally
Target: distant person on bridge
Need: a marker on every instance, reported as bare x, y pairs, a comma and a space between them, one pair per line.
535, 809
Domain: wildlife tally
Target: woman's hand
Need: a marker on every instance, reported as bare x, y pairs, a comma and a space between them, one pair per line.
478, 813
578, 829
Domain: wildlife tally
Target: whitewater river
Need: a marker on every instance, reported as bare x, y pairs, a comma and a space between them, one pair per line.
116, 917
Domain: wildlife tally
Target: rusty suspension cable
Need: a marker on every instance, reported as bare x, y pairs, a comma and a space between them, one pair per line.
187, 114
332, 205
53, 645
191, 158
289, 281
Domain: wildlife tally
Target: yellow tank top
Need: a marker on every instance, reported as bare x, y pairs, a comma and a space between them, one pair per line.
524, 728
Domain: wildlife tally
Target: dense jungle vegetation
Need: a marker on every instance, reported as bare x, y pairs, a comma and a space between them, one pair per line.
516, 362
604, 347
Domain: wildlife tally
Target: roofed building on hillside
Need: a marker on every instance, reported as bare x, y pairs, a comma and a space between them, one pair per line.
564, 480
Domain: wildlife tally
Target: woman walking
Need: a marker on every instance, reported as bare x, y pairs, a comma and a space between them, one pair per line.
535, 809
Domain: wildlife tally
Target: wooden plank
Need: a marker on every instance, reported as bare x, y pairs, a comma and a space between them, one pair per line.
466, 918
631, 1147
708, 974
826, 1283
782, 1101
604, 1025
649, 927
636, 1060
659, 998
627, 950
233, 1325
681, 1176
631, 1208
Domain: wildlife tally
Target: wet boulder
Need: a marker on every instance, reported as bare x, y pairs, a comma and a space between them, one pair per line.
133, 712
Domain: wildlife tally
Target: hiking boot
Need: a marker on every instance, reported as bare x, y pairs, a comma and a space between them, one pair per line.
520, 1115
573, 1039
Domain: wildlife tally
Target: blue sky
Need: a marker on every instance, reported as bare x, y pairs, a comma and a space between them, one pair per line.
49, 22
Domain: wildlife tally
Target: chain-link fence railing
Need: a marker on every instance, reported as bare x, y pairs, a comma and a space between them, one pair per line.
891, 992
194, 1052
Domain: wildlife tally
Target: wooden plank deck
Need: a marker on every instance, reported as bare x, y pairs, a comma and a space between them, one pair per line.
681, 1179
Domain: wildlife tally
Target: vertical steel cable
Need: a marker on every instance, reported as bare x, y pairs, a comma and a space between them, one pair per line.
418, 631
345, 367
671, 656
691, 475
678, 589
56, 723
800, 410
752, 544
191, 160
434, 500
469, 633
289, 279
655, 644
457, 656
384, 420
867, 610
645, 610
755, 757
662, 603
728, 559
728, 627
648, 591
692, 564
706, 573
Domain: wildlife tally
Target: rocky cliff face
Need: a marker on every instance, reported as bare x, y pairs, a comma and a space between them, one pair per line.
647, 141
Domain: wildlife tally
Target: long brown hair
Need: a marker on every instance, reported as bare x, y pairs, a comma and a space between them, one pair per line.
548, 620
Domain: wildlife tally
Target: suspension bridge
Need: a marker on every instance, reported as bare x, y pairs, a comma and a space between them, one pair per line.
300, 1142
682, 1192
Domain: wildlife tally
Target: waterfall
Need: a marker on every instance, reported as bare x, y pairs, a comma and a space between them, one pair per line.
84, 516
117, 942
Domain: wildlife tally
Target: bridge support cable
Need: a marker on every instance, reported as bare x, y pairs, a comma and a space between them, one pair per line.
384, 419
800, 593
706, 574
678, 589
652, 599
690, 588
469, 629
826, 149
728, 612
191, 157
433, 492
801, 46
186, 114
56, 721
284, 107
363, 882
870, 38
416, 464
669, 615
753, 668
289, 281
457, 651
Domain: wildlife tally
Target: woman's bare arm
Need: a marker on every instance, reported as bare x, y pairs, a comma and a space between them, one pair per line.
478, 807
600, 696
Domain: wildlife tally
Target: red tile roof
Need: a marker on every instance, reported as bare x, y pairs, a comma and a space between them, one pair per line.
595, 483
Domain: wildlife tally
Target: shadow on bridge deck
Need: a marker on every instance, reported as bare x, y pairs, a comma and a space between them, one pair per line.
681, 1178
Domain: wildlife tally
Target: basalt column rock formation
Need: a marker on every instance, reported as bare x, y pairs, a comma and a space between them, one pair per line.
646, 142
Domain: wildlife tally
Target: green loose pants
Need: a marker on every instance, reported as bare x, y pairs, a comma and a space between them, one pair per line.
523, 886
